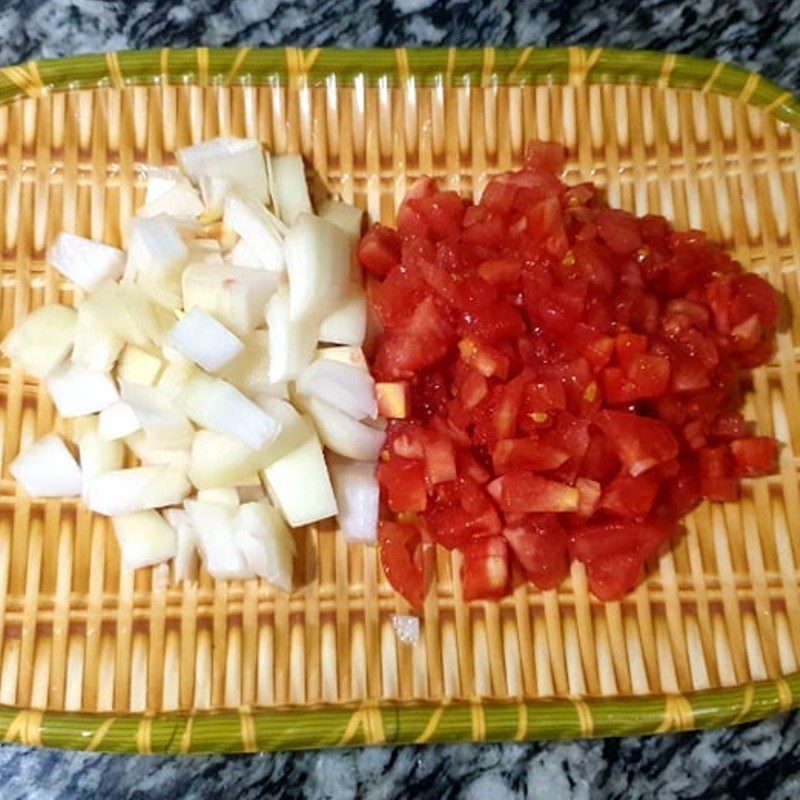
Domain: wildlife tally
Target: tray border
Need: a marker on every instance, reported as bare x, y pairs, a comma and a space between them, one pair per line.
247, 730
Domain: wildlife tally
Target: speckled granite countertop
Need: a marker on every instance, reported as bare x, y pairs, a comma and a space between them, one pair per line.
761, 760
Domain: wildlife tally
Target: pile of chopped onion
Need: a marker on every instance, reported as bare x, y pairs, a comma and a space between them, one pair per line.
224, 349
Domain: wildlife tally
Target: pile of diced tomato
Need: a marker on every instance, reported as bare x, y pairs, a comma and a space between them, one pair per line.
561, 378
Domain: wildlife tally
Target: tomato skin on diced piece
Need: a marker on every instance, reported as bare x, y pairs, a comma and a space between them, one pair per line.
718, 479
630, 497
420, 343
524, 492
486, 573
641, 443
754, 455
379, 250
403, 480
400, 547
562, 380
613, 577
539, 544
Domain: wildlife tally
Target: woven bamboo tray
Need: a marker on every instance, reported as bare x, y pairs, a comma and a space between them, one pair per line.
95, 657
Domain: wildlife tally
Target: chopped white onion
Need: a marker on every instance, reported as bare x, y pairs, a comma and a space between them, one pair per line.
77, 392
214, 404
46, 468
152, 452
347, 323
137, 365
178, 372
242, 255
95, 347
234, 295
97, 455
127, 311
159, 417
291, 344
349, 219
145, 539
289, 187
346, 387
241, 161
266, 543
218, 460
249, 371
214, 190
262, 231
317, 257
294, 428
170, 192
156, 258
41, 341
354, 356
186, 563
300, 485
357, 494
125, 491
85, 262
343, 434
226, 496
213, 526
118, 421
200, 338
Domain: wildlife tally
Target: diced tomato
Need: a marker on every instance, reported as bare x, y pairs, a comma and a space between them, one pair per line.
474, 389
598, 350
539, 543
508, 400
404, 482
650, 374
526, 454
628, 346
379, 250
592, 542
683, 490
619, 231
545, 156
455, 527
503, 271
401, 555
493, 323
440, 458
544, 397
419, 344
525, 492
486, 574
617, 388
753, 295
641, 443
755, 455
484, 358
688, 374
589, 493
394, 299
613, 577
718, 479
600, 463
469, 466
631, 497
548, 364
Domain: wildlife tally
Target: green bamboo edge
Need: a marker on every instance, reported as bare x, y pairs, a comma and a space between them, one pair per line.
302, 727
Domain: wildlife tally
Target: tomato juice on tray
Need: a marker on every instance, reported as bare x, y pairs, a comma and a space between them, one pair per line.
561, 379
